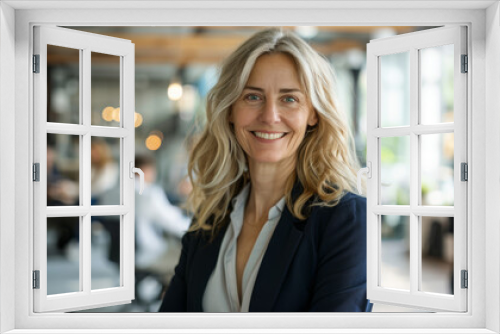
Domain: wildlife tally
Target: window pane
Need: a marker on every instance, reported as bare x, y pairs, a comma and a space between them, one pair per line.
63, 255
63, 170
105, 89
436, 80
437, 254
105, 156
105, 250
395, 253
63, 84
395, 90
395, 170
437, 152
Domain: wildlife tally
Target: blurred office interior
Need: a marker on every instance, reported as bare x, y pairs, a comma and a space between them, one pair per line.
175, 67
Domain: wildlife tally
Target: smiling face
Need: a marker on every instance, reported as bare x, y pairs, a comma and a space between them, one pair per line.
271, 115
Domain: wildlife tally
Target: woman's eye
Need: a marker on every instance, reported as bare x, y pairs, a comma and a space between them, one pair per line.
290, 99
252, 97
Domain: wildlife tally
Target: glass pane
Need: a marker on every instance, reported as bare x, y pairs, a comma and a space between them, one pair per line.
105, 175
395, 170
105, 89
437, 169
63, 168
436, 80
437, 254
105, 250
63, 255
63, 84
395, 252
395, 90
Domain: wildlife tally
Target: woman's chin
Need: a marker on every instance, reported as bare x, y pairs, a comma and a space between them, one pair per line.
269, 160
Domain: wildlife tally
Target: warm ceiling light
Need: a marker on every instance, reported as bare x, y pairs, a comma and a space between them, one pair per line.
107, 114
116, 114
153, 142
174, 91
306, 31
137, 119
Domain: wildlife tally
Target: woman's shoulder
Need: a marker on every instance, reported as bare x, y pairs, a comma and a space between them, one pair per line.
202, 236
349, 201
349, 211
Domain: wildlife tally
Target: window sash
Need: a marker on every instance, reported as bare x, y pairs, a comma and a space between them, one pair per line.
412, 43
85, 43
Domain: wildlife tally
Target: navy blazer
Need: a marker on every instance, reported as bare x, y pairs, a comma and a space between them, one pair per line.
312, 265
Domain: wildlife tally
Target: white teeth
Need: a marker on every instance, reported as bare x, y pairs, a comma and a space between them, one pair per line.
269, 135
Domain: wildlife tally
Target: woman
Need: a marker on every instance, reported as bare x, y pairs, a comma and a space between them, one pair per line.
275, 227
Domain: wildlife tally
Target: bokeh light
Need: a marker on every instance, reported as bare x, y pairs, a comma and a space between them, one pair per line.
137, 119
107, 114
116, 114
174, 91
153, 142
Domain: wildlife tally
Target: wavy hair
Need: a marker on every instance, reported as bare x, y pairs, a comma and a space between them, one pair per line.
326, 161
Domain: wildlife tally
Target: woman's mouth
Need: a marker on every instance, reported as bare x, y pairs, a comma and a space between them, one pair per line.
269, 136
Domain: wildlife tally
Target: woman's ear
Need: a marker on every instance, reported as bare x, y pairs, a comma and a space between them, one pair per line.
313, 118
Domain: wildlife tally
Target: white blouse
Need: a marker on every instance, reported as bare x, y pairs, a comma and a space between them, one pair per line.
221, 292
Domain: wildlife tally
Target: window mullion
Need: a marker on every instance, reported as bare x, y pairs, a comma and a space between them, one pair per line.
434, 128
85, 254
66, 129
108, 210
105, 131
85, 242
414, 172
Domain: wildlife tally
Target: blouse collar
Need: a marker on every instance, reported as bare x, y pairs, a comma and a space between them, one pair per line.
240, 201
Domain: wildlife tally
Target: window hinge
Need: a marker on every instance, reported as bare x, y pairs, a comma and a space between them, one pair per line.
465, 64
36, 172
464, 171
36, 63
36, 279
465, 279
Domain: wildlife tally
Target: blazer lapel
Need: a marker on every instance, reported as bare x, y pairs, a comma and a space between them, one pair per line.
277, 259
204, 262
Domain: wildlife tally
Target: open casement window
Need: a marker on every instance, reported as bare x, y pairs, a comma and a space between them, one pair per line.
77, 156
416, 152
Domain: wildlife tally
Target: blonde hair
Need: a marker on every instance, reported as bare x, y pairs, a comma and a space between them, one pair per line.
326, 161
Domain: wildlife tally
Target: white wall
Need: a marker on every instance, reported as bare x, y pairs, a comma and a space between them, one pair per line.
492, 163
7, 185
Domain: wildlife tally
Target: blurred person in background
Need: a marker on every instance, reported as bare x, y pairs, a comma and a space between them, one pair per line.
276, 227
105, 174
159, 225
61, 191
105, 190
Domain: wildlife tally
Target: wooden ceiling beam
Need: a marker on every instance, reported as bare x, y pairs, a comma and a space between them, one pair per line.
183, 50
208, 46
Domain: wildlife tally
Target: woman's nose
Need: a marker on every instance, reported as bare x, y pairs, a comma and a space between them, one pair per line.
270, 112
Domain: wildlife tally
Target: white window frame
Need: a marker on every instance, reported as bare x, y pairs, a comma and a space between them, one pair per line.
482, 19
85, 44
412, 44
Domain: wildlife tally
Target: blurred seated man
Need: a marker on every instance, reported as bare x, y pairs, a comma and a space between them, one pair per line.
159, 225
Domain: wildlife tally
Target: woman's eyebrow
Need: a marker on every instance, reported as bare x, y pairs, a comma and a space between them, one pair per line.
290, 90
254, 88
282, 90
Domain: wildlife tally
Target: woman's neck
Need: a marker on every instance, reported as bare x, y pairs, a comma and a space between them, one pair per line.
268, 183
